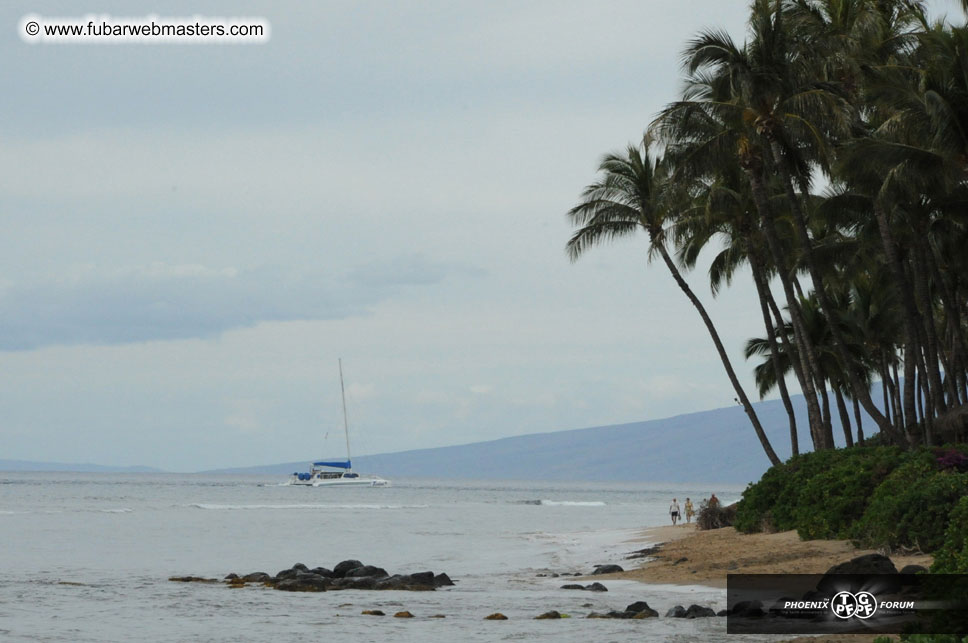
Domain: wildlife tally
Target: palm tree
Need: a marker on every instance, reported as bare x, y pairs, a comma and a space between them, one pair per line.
796, 116
634, 193
714, 126
724, 211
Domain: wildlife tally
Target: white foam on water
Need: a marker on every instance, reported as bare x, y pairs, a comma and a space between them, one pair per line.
217, 507
571, 503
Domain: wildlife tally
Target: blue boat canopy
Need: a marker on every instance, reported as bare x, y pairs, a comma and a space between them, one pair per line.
345, 464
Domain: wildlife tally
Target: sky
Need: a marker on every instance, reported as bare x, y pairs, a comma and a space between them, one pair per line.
193, 235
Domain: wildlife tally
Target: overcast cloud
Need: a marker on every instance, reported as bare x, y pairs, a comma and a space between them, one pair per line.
192, 235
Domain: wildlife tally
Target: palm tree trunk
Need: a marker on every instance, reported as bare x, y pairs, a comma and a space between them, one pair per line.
885, 376
860, 423
900, 409
903, 291
861, 392
844, 416
744, 400
761, 288
921, 291
805, 352
828, 432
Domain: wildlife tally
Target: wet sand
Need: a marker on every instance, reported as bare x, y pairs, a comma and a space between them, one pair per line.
687, 556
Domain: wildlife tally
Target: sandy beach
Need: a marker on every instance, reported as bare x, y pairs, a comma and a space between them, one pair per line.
688, 556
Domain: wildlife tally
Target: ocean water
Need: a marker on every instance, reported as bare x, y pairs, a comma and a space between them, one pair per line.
86, 557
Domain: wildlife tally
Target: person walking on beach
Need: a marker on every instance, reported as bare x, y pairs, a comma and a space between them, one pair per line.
674, 511
713, 501
690, 512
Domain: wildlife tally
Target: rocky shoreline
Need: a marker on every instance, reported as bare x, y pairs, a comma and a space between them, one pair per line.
348, 574
353, 574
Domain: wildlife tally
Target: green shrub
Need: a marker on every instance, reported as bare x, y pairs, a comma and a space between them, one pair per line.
834, 499
952, 558
820, 494
755, 511
912, 507
879, 496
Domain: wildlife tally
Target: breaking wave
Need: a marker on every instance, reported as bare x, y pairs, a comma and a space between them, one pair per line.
301, 506
563, 503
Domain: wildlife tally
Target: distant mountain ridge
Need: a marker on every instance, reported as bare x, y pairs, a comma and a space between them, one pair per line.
707, 446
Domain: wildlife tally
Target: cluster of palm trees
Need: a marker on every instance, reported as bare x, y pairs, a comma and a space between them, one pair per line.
829, 155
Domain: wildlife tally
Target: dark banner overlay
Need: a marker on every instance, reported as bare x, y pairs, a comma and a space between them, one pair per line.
847, 603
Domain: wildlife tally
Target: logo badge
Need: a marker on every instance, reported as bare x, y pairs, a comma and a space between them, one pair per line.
846, 605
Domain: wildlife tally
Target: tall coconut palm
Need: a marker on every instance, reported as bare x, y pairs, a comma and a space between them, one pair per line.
796, 115
714, 126
724, 212
635, 194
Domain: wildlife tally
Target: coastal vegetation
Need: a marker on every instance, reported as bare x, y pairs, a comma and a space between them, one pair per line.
826, 157
877, 496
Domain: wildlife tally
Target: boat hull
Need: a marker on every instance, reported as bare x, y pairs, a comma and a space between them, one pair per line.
355, 482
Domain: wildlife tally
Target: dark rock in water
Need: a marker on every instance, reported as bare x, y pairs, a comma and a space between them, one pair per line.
393, 582
287, 574
340, 570
403, 614
349, 574
617, 614
304, 583
606, 569
638, 606
354, 582
594, 587
405, 582
422, 578
547, 615
722, 613
597, 615
256, 577
438, 616
496, 616
698, 611
913, 569
442, 580
373, 612
868, 564
641, 609
644, 553
368, 571
676, 612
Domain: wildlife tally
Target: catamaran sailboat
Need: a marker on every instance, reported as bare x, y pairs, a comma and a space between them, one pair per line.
338, 473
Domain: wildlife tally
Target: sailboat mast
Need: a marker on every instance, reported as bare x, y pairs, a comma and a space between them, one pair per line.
346, 426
